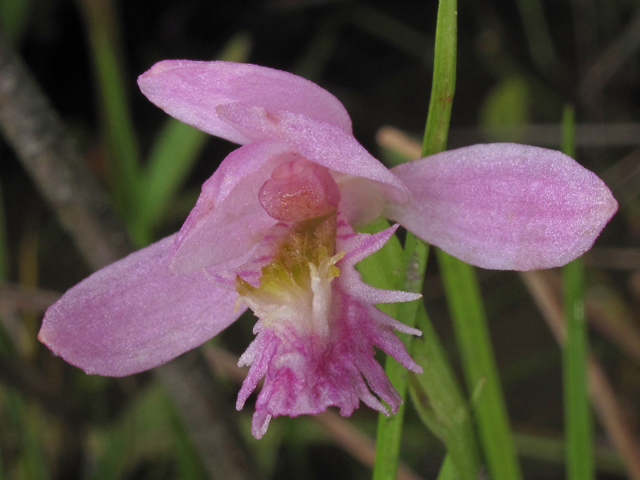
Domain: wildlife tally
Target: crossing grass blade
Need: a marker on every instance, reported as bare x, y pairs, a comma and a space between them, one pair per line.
173, 155
415, 254
470, 325
441, 404
122, 147
578, 420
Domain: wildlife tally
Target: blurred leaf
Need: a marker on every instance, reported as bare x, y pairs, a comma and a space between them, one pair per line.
28, 276
237, 49
384, 268
188, 465
569, 132
506, 109
391, 158
146, 430
537, 33
265, 451
447, 472
14, 18
172, 157
389, 29
175, 151
322, 47
551, 449
4, 244
123, 155
27, 423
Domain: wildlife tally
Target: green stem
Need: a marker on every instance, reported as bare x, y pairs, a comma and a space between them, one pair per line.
464, 296
444, 79
578, 421
123, 155
470, 324
435, 140
440, 402
172, 156
447, 472
578, 424
390, 427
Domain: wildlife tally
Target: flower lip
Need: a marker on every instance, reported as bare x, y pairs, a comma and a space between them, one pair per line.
318, 323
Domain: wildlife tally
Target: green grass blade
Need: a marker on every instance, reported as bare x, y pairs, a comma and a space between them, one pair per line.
462, 288
578, 421
435, 138
390, 428
387, 269
447, 472
26, 423
569, 132
188, 463
173, 155
6, 344
146, 429
440, 402
469, 320
552, 450
444, 79
384, 268
124, 159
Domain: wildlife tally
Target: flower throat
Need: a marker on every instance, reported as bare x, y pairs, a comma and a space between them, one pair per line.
295, 287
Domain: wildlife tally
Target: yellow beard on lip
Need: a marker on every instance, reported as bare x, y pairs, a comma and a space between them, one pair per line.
295, 287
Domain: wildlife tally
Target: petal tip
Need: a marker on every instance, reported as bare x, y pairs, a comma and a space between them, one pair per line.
505, 206
156, 69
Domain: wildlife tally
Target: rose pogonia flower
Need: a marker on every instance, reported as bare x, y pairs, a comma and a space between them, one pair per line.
273, 231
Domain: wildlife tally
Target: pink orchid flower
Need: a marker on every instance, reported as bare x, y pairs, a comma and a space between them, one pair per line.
273, 231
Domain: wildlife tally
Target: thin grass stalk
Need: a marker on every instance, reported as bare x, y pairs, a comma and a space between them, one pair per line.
172, 156
472, 335
416, 251
123, 154
578, 421
495, 434
441, 405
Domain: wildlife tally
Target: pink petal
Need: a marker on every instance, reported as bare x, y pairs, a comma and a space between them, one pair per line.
361, 200
190, 91
134, 315
358, 246
316, 140
228, 219
504, 206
